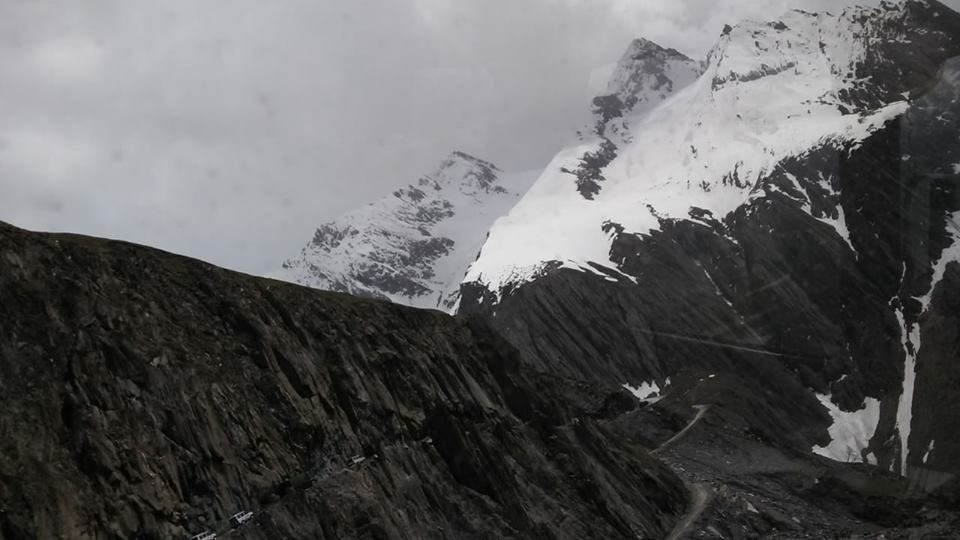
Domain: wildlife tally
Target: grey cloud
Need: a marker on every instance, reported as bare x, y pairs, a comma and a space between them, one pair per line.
229, 130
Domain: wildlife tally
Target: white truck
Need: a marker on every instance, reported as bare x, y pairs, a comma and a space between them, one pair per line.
240, 518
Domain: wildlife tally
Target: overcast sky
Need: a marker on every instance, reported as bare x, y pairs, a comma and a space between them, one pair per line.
229, 130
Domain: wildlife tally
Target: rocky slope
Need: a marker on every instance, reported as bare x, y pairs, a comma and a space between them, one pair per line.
786, 223
412, 247
146, 395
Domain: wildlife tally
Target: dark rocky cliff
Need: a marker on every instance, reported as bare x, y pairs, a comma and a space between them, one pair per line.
145, 395
774, 298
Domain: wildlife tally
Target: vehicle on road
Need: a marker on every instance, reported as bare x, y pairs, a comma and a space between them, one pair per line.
240, 518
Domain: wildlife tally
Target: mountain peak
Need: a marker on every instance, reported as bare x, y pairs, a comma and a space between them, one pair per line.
645, 75
641, 48
465, 173
458, 155
647, 69
413, 246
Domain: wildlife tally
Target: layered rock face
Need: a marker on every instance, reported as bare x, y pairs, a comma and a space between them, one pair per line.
412, 247
145, 395
788, 219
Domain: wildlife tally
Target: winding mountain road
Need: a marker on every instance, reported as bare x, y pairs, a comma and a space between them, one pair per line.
701, 410
700, 493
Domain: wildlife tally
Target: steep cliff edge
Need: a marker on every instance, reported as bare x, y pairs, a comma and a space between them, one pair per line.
146, 395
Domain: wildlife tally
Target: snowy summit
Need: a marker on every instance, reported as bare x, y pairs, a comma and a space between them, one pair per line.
675, 136
413, 246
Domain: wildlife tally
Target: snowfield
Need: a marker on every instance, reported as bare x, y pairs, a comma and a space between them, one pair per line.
769, 92
851, 431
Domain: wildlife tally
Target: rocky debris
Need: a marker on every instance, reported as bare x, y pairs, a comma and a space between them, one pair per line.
146, 395
756, 488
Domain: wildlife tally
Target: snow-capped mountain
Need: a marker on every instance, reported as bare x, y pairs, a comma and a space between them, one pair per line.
770, 91
413, 246
784, 214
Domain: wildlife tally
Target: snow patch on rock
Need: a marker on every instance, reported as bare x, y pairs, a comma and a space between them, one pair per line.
926, 455
949, 255
647, 391
850, 432
910, 341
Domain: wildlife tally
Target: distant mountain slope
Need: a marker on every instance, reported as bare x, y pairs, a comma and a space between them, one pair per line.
412, 247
